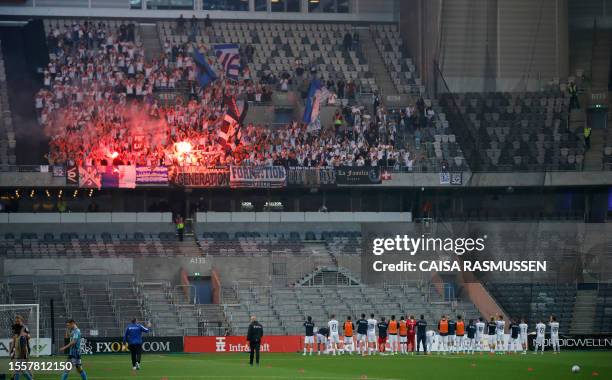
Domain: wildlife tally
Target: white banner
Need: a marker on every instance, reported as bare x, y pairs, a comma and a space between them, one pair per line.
41, 347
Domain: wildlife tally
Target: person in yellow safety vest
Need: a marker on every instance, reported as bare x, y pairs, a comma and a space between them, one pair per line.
338, 119
573, 92
587, 137
61, 205
180, 227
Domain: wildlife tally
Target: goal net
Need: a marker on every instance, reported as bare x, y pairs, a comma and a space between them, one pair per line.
31, 317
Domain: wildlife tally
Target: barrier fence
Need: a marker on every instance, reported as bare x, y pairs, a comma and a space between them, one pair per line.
272, 344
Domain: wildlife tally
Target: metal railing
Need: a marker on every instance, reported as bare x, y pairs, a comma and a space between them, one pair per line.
427, 166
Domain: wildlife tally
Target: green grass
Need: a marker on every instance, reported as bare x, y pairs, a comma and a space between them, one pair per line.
595, 365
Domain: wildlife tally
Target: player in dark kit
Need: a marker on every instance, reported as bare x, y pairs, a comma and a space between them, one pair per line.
133, 337
382, 335
491, 329
421, 334
322, 336
362, 334
19, 346
471, 337
515, 337
452, 331
254, 335
308, 335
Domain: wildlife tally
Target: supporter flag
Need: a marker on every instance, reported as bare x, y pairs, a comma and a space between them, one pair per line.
226, 131
235, 118
205, 73
120, 176
313, 102
89, 178
232, 108
229, 57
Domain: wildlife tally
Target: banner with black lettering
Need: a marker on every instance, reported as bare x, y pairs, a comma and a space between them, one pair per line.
201, 177
358, 175
571, 342
311, 177
105, 345
264, 177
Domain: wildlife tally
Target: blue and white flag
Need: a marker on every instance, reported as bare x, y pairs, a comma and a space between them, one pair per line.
313, 103
229, 58
205, 73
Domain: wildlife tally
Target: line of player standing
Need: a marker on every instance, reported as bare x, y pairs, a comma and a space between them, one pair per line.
410, 335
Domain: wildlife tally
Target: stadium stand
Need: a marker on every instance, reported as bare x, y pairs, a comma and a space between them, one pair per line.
255, 243
518, 131
108, 303
7, 134
603, 311
99, 245
284, 310
537, 301
278, 47
396, 59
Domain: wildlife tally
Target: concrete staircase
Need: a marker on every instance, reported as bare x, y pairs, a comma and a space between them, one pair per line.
601, 62
376, 64
150, 41
159, 309
213, 319
600, 76
583, 317
593, 157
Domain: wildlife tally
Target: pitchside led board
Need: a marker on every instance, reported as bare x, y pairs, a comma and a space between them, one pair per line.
499, 252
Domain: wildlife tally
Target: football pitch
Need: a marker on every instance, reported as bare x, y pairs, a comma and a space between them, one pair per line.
596, 365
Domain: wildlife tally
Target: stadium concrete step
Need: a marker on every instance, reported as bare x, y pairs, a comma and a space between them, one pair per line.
583, 319
150, 41
600, 61
581, 42
376, 64
593, 158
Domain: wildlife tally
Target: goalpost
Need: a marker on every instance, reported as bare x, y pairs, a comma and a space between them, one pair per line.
31, 317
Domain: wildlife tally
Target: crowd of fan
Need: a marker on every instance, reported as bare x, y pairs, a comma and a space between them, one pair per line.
98, 106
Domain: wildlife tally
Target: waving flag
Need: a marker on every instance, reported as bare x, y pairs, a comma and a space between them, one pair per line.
121, 176
230, 132
229, 57
226, 131
232, 108
313, 103
205, 74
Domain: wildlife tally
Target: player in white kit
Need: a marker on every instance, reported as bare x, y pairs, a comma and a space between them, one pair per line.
499, 333
431, 339
480, 329
554, 334
524, 327
334, 335
372, 323
539, 340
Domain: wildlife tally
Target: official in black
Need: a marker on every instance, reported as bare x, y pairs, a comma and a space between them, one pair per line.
254, 335
421, 333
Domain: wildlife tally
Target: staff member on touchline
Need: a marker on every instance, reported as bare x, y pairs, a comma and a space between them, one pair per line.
133, 337
254, 335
